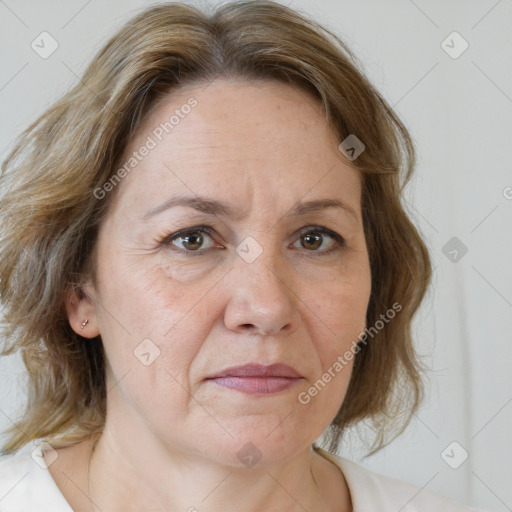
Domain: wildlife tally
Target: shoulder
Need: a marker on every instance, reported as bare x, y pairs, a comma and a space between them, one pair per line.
373, 491
26, 484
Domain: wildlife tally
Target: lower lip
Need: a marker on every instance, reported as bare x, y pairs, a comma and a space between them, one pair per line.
257, 385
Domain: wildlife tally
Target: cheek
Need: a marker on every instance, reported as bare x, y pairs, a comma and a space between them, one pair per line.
145, 296
150, 341
340, 309
339, 320
153, 327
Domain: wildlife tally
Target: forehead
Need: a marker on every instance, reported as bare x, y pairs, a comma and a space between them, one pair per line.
246, 139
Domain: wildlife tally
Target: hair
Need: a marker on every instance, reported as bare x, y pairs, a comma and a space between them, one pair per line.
51, 215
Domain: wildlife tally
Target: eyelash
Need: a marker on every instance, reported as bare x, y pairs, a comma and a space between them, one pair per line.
167, 241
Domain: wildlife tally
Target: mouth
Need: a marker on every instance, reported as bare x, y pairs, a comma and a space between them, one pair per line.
257, 379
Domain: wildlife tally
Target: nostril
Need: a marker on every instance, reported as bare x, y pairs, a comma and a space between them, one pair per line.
252, 327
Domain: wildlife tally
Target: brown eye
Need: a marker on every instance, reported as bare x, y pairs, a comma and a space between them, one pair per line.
320, 240
190, 241
312, 241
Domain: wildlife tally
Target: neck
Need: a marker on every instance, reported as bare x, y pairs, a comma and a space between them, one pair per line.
129, 473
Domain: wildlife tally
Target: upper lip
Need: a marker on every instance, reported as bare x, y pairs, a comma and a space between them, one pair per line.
258, 370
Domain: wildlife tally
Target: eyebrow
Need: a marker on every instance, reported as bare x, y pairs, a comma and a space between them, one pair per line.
214, 207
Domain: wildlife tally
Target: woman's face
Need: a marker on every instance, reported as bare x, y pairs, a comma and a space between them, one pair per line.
252, 281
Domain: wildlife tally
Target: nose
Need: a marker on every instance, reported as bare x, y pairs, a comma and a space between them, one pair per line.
261, 297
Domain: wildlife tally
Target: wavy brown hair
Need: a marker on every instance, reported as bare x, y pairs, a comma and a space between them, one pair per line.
50, 215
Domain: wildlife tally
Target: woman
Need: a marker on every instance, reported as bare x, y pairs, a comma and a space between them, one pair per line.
206, 265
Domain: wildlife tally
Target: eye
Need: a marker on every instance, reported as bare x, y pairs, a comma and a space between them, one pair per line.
313, 239
196, 241
191, 240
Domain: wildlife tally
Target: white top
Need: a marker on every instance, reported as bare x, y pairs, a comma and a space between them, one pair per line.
26, 485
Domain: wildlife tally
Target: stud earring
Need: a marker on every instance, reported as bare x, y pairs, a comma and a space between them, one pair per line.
85, 322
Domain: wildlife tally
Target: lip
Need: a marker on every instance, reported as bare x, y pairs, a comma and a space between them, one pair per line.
258, 370
257, 379
257, 385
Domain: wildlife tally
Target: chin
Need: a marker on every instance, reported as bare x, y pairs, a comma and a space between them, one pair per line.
260, 444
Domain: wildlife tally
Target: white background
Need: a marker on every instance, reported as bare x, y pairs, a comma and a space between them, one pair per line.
459, 113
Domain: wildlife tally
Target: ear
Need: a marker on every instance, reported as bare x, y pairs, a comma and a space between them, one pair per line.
81, 310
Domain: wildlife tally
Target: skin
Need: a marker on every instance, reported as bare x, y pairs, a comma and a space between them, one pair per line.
171, 437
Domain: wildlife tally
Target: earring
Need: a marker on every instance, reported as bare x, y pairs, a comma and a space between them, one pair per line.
85, 322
